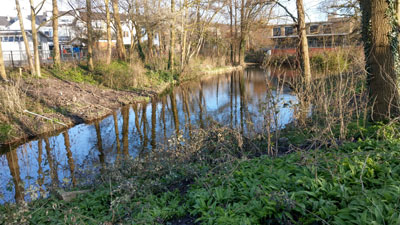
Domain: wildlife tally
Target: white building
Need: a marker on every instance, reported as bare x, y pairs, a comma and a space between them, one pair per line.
13, 44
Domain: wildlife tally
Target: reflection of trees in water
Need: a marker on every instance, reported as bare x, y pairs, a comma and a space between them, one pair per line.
69, 156
145, 125
125, 130
52, 164
100, 144
174, 110
153, 122
117, 142
163, 102
186, 109
12, 159
40, 179
137, 124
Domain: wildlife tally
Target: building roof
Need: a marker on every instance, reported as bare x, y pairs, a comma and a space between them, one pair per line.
5, 20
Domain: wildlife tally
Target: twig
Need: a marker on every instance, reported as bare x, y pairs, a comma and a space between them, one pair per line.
26, 111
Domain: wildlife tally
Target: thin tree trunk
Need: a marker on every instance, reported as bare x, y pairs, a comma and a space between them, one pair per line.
184, 33
3, 74
171, 52
231, 30
243, 33
89, 35
26, 42
120, 42
109, 47
57, 60
384, 78
35, 39
304, 55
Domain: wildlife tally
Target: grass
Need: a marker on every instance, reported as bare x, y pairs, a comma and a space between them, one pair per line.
218, 178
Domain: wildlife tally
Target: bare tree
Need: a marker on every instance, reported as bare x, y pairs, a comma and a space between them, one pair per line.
57, 60
171, 52
34, 11
89, 35
303, 53
120, 43
108, 21
26, 42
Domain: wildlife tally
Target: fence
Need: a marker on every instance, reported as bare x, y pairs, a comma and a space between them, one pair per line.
19, 59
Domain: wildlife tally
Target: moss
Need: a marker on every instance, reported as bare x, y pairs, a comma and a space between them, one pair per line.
6, 131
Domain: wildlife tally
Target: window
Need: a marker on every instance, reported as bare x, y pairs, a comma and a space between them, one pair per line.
5, 39
327, 29
47, 33
10, 39
314, 29
277, 31
288, 31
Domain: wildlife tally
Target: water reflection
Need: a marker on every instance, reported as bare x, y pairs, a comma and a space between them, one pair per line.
72, 156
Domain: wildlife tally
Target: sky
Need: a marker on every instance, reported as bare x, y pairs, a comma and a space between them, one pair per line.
311, 8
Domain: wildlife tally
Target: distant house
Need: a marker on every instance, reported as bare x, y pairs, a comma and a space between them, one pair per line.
13, 44
334, 32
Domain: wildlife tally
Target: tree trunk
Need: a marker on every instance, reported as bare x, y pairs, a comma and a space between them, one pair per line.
35, 39
89, 35
57, 61
171, 52
3, 74
384, 78
26, 42
304, 55
184, 33
109, 47
231, 31
120, 42
243, 33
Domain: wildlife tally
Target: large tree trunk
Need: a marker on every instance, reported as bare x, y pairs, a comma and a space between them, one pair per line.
109, 47
383, 82
120, 42
3, 74
35, 39
26, 42
57, 61
171, 52
89, 35
304, 55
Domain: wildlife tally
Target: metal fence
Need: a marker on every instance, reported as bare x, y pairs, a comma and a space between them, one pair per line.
19, 58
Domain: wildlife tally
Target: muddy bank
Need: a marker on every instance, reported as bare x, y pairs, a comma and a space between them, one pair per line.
68, 103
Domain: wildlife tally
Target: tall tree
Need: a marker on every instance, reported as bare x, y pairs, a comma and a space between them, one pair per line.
26, 42
171, 52
89, 35
303, 53
108, 21
120, 42
35, 38
3, 74
380, 36
57, 61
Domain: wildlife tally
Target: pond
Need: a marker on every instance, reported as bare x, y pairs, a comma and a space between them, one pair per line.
75, 156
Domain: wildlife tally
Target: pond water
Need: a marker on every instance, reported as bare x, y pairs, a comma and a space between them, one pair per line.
75, 155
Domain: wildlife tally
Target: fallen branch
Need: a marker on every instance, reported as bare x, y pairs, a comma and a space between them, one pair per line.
35, 114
